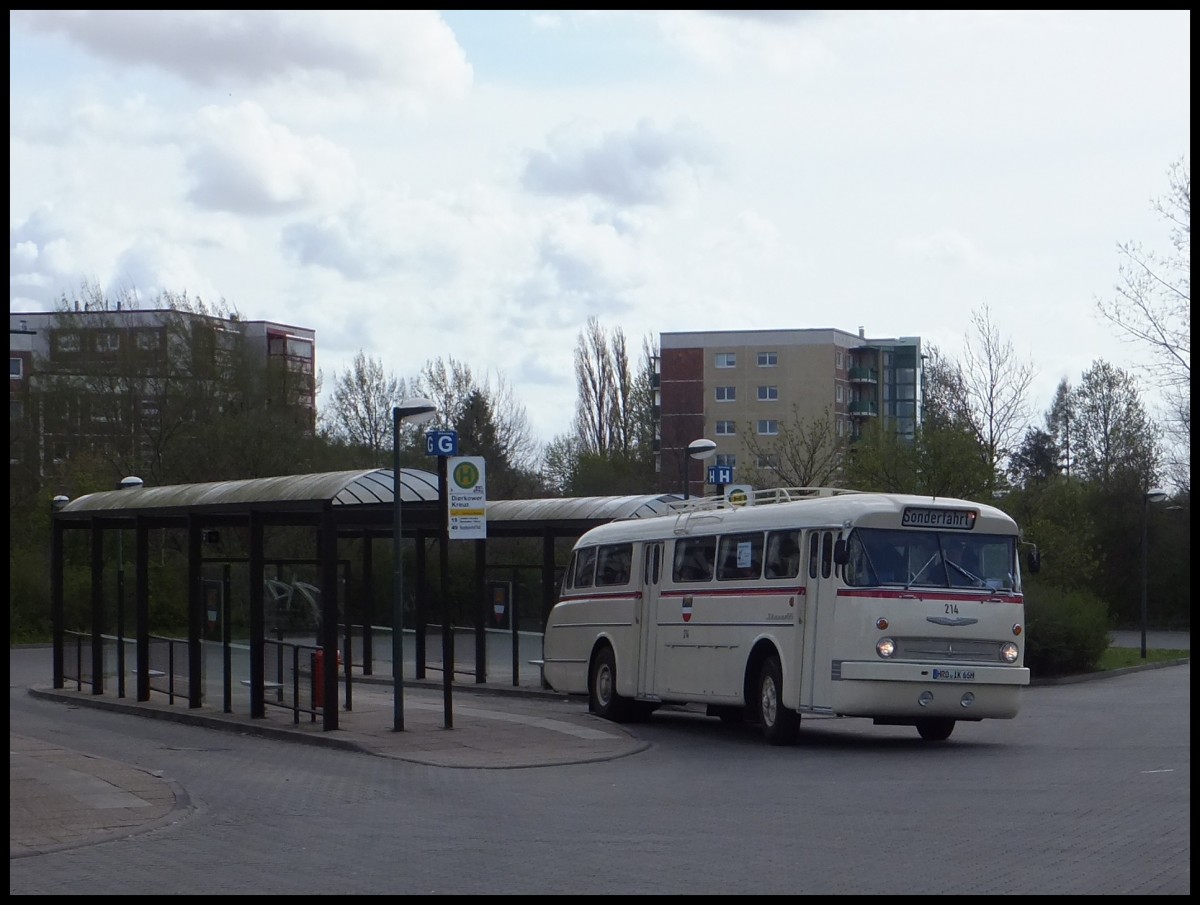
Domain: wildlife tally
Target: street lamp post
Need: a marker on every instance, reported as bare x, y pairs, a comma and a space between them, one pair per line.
1151, 496
417, 410
697, 449
123, 484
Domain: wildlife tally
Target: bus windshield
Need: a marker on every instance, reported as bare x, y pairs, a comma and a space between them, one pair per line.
939, 559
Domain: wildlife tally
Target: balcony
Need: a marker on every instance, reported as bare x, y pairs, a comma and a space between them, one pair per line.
864, 375
863, 409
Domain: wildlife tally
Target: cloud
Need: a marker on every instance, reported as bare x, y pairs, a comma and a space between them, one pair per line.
644, 165
408, 54
244, 163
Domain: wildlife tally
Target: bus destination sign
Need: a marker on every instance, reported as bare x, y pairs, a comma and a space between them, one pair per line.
956, 519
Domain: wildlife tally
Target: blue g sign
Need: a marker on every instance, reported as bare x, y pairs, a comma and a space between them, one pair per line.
441, 443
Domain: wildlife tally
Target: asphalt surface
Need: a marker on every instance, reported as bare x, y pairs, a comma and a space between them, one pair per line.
60, 798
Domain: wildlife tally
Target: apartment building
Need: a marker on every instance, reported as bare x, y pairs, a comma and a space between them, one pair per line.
720, 385
124, 363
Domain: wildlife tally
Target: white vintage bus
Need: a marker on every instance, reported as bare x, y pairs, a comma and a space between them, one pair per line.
904, 609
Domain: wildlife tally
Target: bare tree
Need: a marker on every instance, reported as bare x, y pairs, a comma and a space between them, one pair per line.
360, 407
1152, 308
807, 452
997, 388
946, 401
604, 416
453, 388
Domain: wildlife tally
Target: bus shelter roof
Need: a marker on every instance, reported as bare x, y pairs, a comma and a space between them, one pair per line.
356, 498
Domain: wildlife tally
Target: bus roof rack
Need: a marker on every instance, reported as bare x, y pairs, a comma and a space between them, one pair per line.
763, 497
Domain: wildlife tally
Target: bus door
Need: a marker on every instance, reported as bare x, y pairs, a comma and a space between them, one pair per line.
820, 598
652, 567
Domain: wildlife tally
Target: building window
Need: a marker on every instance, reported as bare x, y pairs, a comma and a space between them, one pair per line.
15, 370
725, 428
726, 359
841, 427
106, 340
768, 359
726, 394
768, 394
16, 410
66, 341
768, 427
839, 392
147, 340
768, 461
837, 359
299, 348
728, 461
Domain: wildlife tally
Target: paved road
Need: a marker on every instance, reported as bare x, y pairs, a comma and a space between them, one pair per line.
63, 796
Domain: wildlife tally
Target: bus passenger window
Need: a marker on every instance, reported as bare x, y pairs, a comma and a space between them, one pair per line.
814, 547
694, 557
783, 554
613, 564
585, 567
739, 557
826, 554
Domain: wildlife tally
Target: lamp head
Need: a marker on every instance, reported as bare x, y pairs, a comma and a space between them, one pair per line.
1155, 495
415, 410
702, 448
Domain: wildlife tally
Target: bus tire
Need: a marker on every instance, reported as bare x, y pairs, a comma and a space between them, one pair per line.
935, 730
780, 726
602, 689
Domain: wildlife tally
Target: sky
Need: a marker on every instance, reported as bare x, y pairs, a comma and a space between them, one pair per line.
474, 186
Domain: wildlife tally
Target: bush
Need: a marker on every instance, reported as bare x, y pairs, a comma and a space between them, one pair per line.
1066, 631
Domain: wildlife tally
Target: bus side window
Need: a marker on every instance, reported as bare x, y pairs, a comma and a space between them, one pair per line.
585, 567
783, 554
826, 554
569, 572
814, 546
613, 564
739, 557
694, 557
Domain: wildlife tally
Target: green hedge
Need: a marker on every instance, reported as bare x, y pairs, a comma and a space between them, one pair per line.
1066, 631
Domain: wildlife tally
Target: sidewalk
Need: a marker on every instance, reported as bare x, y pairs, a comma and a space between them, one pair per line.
60, 798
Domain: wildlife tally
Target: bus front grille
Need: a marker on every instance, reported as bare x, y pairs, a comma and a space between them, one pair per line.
946, 649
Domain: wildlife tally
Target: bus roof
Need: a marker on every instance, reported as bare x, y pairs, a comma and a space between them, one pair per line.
794, 508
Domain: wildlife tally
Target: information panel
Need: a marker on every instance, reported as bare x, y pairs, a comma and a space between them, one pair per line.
468, 497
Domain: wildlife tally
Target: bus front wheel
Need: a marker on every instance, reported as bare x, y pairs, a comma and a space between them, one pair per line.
935, 730
602, 689
779, 724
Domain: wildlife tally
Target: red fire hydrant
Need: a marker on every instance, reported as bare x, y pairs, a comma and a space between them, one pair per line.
318, 677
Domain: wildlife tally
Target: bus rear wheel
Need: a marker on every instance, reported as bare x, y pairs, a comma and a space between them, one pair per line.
935, 730
780, 726
602, 689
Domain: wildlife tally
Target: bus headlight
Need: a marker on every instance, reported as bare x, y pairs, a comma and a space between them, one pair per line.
885, 647
1009, 652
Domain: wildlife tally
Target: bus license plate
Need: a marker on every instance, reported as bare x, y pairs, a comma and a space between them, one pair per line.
955, 675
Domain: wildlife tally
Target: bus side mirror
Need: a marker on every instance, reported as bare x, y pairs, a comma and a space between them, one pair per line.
1035, 560
841, 554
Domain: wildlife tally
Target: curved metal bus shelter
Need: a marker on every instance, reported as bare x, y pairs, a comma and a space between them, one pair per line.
344, 504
